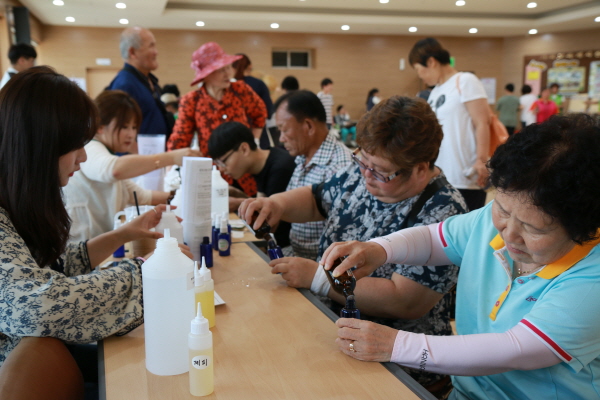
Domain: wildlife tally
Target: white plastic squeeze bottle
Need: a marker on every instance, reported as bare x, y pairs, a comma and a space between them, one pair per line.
202, 376
168, 220
206, 294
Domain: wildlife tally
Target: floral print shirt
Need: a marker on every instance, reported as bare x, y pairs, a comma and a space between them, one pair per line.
77, 305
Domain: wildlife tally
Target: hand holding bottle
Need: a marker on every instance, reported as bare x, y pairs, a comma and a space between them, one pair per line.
268, 210
366, 256
370, 341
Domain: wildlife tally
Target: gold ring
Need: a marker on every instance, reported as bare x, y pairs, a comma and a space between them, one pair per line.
352, 347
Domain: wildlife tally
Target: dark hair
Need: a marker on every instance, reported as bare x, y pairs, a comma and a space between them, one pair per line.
556, 85
326, 82
339, 107
426, 48
290, 83
43, 116
170, 88
116, 104
557, 165
510, 87
372, 92
240, 66
525, 89
229, 136
19, 50
302, 104
403, 130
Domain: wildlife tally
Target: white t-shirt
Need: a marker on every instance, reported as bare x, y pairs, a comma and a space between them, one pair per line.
93, 196
458, 151
527, 115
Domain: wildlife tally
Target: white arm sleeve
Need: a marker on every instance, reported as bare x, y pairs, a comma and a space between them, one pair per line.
473, 355
419, 245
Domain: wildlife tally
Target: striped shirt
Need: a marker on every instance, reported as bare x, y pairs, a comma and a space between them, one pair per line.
331, 157
327, 101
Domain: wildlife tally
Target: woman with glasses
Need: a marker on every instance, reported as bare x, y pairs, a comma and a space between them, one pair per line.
393, 168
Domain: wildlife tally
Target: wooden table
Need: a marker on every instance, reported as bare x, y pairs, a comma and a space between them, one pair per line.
270, 342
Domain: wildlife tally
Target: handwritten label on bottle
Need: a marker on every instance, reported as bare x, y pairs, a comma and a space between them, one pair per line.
200, 362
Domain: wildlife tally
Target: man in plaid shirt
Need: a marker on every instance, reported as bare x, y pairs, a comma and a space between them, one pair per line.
300, 117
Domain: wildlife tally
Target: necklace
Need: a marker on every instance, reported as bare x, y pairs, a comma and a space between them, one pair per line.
526, 271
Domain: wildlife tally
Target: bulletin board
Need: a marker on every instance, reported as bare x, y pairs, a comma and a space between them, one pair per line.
575, 71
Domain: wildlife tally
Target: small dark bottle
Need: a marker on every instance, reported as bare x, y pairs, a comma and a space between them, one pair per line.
224, 244
350, 310
273, 249
216, 230
343, 284
206, 251
264, 229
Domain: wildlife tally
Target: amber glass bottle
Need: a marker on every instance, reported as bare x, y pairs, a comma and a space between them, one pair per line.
264, 229
343, 284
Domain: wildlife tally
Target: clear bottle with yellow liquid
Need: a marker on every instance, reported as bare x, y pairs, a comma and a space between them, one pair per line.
202, 376
205, 293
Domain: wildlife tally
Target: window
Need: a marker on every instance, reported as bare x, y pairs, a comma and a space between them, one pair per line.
291, 59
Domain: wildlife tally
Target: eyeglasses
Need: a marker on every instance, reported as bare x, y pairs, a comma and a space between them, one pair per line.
378, 176
222, 162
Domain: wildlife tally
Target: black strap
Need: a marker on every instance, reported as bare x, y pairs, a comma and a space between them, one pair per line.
428, 193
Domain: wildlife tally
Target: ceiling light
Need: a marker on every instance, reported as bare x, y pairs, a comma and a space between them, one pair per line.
345, 27
412, 29
597, 19
58, 3
473, 30
531, 5
274, 25
70, 19
384, 1
121, 5
461, 3
199, 23
124, 21
532, 31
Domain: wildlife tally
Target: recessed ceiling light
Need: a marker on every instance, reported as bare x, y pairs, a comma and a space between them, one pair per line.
384, 1
70, 19
124, 21
345, 27
531, 5
461, 3
58, 3
199, 23
412, 29
597, 19
121, 5
274, 25
473, 30
532, 31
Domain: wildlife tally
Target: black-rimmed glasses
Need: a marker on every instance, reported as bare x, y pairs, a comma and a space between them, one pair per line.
222, 162
378, 176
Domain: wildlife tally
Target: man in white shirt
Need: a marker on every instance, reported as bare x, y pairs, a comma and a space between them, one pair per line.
22, 56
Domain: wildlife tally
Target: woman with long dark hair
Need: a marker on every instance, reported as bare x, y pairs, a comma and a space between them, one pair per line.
47, 285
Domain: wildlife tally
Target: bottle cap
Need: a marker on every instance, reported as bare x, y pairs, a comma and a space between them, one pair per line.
205, 240
205, 272
223, 225
199, 323
198, 278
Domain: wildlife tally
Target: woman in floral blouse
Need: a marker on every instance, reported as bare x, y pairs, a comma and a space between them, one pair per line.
48, 288
217, 100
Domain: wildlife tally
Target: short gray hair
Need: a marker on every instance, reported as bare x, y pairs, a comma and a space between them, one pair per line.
130, 38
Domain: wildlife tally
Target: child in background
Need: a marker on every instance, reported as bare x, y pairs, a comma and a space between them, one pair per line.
102, 187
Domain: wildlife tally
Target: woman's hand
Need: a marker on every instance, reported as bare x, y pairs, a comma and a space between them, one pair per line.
185, 152
482, 173
370, 341
366, 256
139, 227
298, 272
268, 210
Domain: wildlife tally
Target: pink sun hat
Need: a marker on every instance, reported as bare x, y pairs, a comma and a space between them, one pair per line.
208, 58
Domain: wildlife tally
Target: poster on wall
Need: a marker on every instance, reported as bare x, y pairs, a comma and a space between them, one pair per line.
570, 78
594, 80
533, 75
489, 84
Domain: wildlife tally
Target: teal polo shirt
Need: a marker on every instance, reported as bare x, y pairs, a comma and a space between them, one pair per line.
560, 304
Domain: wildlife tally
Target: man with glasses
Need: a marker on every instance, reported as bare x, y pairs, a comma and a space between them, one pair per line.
393, 183
235, 152
300, 117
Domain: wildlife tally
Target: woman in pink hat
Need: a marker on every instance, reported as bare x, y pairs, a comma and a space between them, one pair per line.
217, 100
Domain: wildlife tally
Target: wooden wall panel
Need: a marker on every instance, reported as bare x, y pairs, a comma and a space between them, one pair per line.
356, 63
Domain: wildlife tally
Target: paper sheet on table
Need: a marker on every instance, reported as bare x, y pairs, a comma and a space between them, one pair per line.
151, 144
218, 300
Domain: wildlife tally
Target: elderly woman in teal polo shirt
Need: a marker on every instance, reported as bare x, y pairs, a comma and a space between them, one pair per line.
528, 290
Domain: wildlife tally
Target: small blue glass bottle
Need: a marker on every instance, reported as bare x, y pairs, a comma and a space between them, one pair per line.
224, 244
273, 249
350, 310
206, 251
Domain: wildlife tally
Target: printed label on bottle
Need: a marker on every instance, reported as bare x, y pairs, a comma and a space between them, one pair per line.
223, 244
222, 192
200, 362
